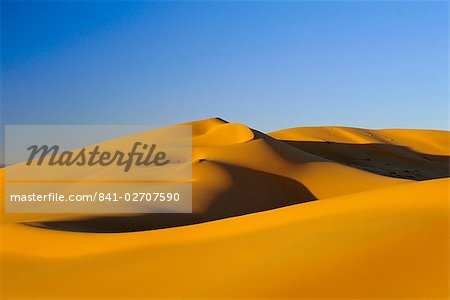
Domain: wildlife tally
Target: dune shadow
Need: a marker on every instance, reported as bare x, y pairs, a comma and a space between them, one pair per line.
250, 191
383, 159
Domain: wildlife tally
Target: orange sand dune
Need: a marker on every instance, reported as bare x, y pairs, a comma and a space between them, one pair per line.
231, 164
314, 212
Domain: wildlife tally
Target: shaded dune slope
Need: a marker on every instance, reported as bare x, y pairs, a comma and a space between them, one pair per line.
237, 197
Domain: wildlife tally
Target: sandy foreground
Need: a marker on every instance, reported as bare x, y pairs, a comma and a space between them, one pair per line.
308, 212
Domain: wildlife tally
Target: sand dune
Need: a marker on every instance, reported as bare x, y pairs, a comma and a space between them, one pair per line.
299, 213
401, 153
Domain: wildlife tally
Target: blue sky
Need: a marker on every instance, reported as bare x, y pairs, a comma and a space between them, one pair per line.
270, 65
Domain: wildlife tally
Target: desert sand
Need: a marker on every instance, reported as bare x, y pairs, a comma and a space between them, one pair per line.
308, 212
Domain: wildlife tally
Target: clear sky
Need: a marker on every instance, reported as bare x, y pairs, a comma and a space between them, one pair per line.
270, 65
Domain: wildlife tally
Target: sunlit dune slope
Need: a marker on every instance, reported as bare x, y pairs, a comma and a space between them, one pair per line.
403, 153
386, 243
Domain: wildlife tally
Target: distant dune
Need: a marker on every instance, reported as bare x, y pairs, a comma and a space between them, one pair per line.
403, 153
308, 212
